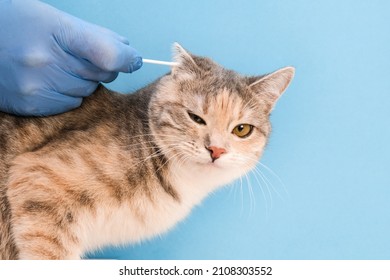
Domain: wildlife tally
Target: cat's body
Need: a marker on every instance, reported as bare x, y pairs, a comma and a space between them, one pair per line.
122, 168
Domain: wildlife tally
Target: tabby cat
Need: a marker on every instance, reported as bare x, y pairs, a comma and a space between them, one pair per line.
122, 168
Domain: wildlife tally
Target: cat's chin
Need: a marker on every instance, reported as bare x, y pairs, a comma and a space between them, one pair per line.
210, 164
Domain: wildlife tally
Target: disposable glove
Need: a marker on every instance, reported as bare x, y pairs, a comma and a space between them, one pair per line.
50, 60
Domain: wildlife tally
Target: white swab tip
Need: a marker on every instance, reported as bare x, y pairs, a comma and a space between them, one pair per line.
160, 62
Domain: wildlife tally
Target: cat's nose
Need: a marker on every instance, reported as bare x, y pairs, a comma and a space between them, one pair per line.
215, 152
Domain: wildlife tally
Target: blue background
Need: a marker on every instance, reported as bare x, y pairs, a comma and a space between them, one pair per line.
330, 144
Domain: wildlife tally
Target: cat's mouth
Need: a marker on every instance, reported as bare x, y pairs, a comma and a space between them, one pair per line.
211, 164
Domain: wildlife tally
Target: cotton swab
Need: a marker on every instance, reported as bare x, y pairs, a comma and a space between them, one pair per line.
153, 61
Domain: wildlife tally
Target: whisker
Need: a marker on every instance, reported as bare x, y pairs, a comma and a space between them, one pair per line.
252, 202
242, 197
155, 154
168, 159
264, 184
142, 145
266, 179
276, 176
269, 205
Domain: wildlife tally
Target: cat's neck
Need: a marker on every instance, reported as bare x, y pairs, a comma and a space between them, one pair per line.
194, 182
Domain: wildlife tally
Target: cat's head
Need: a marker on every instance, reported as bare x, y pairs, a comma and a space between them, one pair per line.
211, 119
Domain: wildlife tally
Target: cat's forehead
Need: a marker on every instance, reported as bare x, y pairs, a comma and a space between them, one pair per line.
222, 90
217, 85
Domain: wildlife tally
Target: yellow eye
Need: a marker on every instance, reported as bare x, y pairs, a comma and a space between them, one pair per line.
243, 130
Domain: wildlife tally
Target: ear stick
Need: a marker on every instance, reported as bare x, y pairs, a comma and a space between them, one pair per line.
152, 61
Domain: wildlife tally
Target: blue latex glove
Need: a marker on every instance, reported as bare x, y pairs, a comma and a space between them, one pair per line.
50, 60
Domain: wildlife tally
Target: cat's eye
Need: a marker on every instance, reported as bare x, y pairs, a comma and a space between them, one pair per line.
243, 130
196, 118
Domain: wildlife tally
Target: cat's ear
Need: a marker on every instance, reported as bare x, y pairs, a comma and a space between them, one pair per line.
272, 86
186, 67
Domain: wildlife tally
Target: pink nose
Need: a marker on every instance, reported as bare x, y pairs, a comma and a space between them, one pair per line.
215, 152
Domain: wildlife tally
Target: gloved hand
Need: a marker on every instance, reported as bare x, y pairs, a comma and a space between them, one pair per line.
50, 60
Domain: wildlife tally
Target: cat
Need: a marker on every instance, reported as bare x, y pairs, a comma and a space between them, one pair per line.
126, 167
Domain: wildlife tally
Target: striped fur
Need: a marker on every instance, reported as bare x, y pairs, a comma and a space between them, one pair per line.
122, 168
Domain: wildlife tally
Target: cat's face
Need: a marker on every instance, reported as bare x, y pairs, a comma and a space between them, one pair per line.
210, 118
